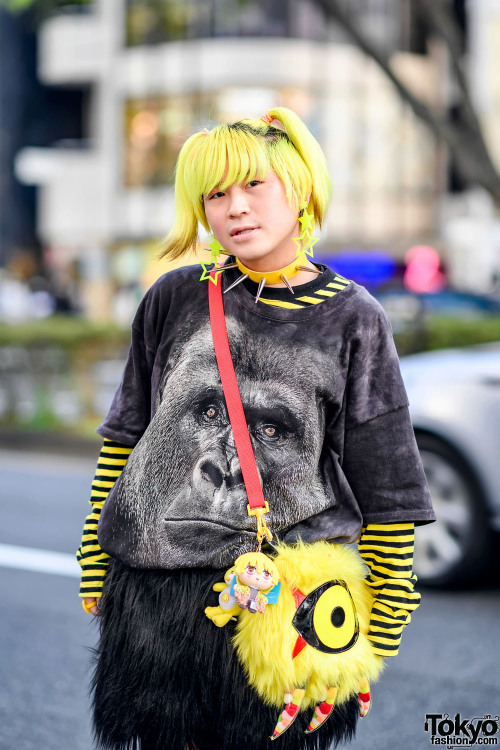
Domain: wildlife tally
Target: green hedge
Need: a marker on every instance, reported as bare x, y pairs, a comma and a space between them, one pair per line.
62, 331
41, 351
439, 332
74, 333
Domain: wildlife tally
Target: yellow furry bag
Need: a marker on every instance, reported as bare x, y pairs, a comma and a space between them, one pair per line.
303, 614
309, 648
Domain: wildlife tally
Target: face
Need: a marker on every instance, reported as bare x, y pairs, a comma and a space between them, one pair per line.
251, 577
200, 502
254, 221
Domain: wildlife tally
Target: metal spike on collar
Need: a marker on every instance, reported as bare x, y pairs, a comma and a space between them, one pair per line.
287, 283
229, 265
311, 270
235, 283
262, 284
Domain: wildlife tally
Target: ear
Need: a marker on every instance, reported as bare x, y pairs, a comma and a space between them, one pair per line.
305, 202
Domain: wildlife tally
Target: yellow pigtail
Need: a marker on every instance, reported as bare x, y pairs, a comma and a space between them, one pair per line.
312, 156
183, 236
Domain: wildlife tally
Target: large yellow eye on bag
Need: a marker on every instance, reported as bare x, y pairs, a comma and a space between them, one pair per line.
327, 620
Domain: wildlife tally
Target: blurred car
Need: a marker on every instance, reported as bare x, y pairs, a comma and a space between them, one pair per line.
407, 309
446, 302
455, 408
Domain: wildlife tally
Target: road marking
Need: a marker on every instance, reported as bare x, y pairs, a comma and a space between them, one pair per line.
43, 463
39, 560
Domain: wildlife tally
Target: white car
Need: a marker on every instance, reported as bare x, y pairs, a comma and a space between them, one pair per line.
454, 399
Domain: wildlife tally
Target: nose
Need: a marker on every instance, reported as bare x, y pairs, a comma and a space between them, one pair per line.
238, 202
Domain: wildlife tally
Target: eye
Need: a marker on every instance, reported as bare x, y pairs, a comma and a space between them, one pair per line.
209, 411
252, 183
327, 619
217, 194
267, 574
250, 569
269, 432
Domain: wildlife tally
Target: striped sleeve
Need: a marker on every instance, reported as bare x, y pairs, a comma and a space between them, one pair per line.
93, 561
387, 550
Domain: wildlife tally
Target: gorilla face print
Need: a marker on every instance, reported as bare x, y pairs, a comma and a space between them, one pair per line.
182, 486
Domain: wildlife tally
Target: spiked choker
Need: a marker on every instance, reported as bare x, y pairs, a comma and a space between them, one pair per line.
272, 277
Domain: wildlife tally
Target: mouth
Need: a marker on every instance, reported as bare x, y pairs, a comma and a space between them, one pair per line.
243, 232
197, 522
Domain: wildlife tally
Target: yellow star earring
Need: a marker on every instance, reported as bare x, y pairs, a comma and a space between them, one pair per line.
215, 250
306, 221
305, 241
212, 274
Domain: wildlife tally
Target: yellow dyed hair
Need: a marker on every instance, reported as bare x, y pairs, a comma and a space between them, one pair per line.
257, 560
246, 150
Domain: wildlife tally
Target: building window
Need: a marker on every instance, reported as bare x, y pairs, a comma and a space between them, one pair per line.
156, 127
158, 21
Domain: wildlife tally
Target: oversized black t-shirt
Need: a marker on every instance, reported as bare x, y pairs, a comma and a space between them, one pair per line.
326, 409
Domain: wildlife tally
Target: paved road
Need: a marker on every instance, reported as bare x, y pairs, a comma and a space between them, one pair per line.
448, 664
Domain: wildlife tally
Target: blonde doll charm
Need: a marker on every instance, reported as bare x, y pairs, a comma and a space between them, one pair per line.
252, 583
255, 573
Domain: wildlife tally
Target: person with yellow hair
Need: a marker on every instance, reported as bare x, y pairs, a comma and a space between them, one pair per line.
260, 565
328, 424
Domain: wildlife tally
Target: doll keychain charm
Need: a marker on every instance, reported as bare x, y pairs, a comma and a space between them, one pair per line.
256, 582
251, 584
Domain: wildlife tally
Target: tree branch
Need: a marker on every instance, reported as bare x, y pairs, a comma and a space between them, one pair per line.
464, 140
444, 25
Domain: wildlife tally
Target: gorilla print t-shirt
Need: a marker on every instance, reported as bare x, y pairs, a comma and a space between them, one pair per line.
326, 409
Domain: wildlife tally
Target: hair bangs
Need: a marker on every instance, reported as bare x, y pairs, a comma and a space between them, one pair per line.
226, 156
260, 561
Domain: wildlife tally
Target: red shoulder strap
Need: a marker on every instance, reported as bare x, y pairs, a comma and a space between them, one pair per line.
233, 398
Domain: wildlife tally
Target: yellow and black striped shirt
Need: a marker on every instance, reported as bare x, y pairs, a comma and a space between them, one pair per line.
387, 549
312, 298
93, 561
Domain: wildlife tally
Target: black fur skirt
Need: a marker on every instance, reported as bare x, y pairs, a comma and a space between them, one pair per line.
167, 679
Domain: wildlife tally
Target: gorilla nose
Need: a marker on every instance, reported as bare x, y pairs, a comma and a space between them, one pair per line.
234, 480
213, 474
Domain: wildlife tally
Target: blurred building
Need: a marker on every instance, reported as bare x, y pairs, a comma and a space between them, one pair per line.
30, 114
158, 71
470, 222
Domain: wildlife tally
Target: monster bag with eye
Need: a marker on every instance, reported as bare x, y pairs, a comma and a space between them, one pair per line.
308, 650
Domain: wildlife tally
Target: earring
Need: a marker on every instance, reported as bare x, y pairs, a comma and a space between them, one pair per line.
215, 250
213, 274
305, 241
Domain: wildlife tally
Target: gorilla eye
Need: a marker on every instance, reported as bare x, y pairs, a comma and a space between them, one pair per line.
209, 411
327, 619
270, 433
